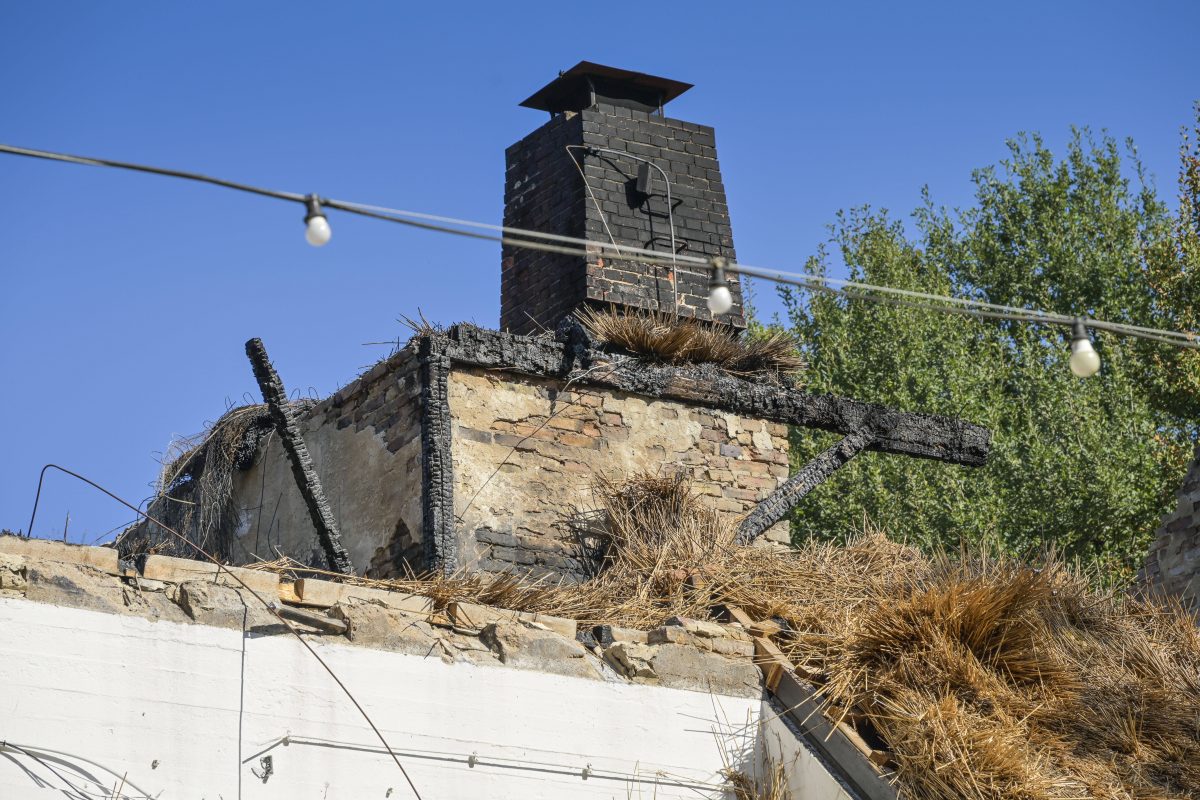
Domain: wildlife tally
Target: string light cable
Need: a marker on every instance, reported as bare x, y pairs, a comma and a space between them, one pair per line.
603, 217
570, 245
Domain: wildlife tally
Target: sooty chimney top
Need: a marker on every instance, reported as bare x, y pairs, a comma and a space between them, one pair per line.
585, 84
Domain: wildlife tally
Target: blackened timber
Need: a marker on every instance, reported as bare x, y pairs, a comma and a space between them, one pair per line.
804, 707
437, 465
301, 462
904, 433
811, 475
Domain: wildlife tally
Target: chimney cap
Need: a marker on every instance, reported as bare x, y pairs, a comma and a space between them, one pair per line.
580, 86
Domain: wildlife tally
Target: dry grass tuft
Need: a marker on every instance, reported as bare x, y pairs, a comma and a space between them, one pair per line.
672, 340
985, 677
194, 493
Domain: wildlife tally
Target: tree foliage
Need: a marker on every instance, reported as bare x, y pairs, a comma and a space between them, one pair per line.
1085, 466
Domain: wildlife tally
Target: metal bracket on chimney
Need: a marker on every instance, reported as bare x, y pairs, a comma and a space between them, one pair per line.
303, 470
810, 476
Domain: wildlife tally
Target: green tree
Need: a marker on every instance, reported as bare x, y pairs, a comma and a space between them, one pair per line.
1087, 466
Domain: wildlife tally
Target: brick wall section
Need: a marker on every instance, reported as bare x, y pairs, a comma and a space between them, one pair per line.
526, 452
543, 191
687, 152
1173, 563
366, 443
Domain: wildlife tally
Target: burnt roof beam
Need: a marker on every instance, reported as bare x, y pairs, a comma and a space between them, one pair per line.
932, 436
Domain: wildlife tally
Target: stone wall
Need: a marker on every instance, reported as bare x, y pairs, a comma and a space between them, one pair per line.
1173, 563
527, 450
366, 443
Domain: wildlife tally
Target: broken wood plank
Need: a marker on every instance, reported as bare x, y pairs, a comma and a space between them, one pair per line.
301, 462
181, 570
842, 748
312, 619
810, 476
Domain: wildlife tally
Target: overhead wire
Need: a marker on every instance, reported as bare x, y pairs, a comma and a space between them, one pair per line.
604, 217
570, 245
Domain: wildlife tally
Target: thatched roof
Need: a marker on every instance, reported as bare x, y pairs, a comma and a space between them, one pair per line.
984, 677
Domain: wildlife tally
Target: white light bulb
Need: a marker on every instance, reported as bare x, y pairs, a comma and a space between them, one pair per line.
1084, 361
720, 300
317, 231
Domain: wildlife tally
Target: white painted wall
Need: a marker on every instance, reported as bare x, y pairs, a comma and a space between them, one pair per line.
186, 711
806, 776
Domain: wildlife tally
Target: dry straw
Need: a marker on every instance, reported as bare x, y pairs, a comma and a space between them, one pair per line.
984, 677
195, 487
668, 339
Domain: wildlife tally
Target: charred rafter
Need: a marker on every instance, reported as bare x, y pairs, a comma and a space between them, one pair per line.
305, 473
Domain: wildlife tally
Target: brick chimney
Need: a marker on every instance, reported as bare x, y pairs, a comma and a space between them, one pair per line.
608, 123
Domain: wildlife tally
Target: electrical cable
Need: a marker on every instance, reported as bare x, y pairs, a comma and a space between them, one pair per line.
588, 185
170, 173
473, 760
270, 606
557, 243
670, 207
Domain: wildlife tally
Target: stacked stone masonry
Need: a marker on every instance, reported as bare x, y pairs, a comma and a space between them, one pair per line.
544, 192
366, 443
528, 451
684, 654
474, 449
1173, 564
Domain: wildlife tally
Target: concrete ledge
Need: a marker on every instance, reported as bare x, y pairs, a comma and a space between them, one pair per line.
181, 570
104, 559
326, 594
474, 617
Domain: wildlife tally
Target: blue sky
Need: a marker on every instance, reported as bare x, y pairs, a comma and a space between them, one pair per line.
126, 299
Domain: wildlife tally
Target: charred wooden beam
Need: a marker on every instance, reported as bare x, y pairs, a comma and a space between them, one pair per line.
931, 436
303, 470
437, 463
811, 475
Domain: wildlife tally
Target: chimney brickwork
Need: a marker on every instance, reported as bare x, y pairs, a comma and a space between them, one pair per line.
545, 192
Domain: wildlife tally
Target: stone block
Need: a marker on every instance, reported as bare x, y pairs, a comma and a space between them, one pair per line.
104, 559
708, 629
669, 634
526, 646
74, 586
81, 586
390, 629
313, 592
222, 606
632, 660
180, 570
12, 573
610, 634
683, 667
729, 647
475, 617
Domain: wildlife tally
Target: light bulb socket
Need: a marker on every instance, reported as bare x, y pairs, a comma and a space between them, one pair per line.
716, 277
1079, 331
312, 205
